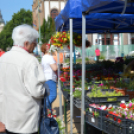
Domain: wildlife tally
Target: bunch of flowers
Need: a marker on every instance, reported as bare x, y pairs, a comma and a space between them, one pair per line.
51, 114
124, 110
60, 39
77, 39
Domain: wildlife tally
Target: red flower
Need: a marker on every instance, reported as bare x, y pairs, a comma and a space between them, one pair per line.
62, 79
122, 105
54, 116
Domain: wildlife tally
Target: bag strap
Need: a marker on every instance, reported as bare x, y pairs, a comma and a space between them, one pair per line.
45, 106
47, 92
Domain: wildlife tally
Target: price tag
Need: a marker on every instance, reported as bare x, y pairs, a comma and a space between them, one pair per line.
90, 109
110, 105
123, 101
92, 119
88, 87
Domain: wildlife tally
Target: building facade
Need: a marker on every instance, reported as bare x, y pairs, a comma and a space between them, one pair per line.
42, 9
109, 44
2, 23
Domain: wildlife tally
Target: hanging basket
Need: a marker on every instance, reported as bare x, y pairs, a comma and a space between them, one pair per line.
60, 39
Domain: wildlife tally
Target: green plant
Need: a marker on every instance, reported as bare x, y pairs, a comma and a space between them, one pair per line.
102, 57
87, 60
96, 92
61, 127
77, 94
67, 90
120, 83
130, 85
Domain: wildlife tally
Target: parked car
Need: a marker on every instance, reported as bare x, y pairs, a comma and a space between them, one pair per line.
77, 53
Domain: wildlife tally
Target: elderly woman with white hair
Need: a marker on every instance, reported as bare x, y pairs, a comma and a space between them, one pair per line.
21, 84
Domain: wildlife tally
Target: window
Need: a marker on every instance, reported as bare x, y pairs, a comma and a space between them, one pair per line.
54, 13
115, 39
132, 38
108, 39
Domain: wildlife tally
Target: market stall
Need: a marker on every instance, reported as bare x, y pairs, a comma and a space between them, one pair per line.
92, 23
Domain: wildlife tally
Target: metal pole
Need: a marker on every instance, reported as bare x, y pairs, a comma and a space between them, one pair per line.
65, 116
74, 56
83, 73
122, 46
71, 76
40, 42
59, 87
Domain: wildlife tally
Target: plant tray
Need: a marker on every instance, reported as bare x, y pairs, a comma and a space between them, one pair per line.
77, 102
95, 121
65, 93
116, 99
112, 124
130, 128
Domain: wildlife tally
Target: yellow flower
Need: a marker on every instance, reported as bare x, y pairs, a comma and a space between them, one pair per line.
79, 36
61, 47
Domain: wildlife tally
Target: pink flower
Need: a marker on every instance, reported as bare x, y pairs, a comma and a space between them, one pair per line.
130, 105
101, 84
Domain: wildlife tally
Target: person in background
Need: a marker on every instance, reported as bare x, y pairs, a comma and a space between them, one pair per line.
97, 53
21, 84
1, 52
53, 50
50, 67
61, 57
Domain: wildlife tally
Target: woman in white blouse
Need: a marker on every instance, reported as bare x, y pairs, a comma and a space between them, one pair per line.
50, 67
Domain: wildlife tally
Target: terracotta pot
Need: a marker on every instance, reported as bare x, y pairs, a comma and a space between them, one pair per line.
122, 91
130, 93
112, 87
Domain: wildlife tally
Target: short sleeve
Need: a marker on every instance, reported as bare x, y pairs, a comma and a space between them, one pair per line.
52, 61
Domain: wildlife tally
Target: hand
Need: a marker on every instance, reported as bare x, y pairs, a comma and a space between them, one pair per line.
2, 127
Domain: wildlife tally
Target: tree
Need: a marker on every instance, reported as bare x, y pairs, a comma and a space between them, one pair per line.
22, 17
47, 29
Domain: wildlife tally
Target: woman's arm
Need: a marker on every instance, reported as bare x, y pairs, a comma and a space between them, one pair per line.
2, 127
54, 66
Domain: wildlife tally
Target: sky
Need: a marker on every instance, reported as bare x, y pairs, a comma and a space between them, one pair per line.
9, 7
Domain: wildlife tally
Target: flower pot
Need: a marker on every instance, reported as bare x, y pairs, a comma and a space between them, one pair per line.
122, 91
112, 87
130, 93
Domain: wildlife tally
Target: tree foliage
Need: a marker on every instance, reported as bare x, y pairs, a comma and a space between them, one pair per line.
22, 17
47, 29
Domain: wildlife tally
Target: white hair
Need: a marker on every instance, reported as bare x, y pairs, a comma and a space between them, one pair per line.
24, 33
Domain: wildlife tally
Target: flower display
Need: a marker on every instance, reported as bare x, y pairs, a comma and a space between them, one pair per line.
124, 110
60, 39
77, 39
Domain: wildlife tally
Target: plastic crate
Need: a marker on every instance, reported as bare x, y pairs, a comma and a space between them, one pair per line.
77, 102
130, 126
105, 99
112, 124
95, 121
65, 94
